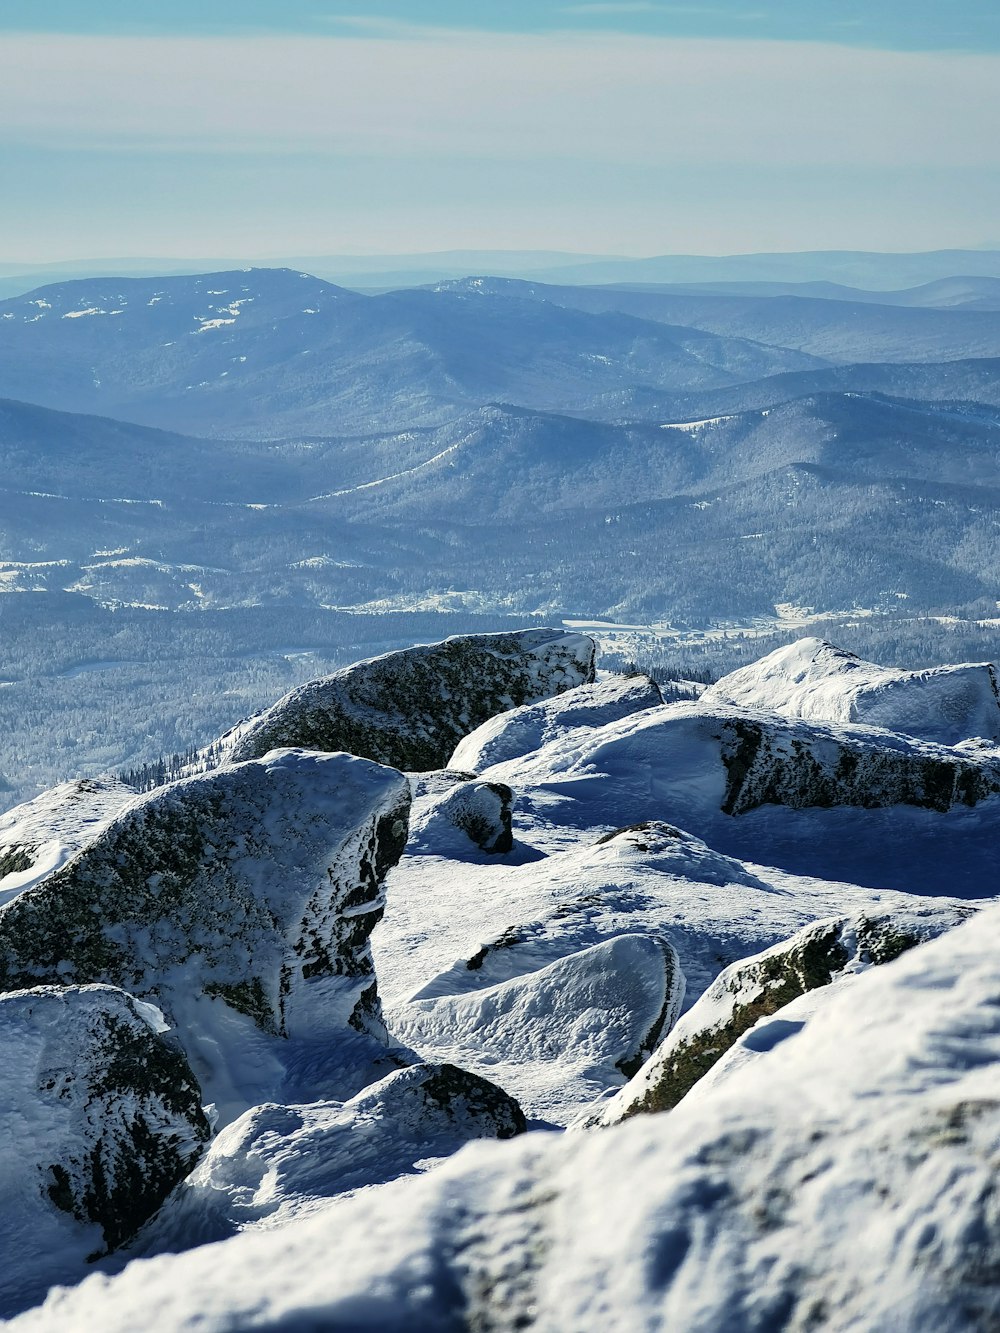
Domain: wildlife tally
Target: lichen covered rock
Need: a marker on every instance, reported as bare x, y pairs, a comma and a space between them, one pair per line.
255, 888
102, 1118
758, 987
411, 708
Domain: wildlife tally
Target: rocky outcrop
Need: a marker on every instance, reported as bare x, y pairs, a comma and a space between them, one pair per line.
255, 888
276, 1163
42, 834
581, 1024
521, 730
814, 679
411, 708
759, 987
102, 1118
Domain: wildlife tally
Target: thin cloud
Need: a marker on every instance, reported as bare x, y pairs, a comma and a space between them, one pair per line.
464, 95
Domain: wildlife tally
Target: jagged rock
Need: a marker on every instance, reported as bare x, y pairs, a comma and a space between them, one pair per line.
42, 834
102, 1118
240, 901
478, 812
522, 730
410, 709
813, 679
556, 1035
845, 1181
758, 987
276, 1163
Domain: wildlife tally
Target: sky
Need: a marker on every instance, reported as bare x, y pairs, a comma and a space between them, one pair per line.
258, 129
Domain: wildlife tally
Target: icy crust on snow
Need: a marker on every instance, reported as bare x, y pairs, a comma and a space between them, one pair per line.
101, 1118
815, 679
410, 709
240, 901
562, 1034
522, 730
41, 835
750, 991
276, 1163
846, 802
844, 1180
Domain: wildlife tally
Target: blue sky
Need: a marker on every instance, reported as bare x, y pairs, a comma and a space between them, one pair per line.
262, 129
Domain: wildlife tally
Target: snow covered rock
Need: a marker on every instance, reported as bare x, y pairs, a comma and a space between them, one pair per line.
522, 730
814, 679
41, 835
102, 1117
560, 1035
240, 901
846, 1180
846, 802
410, 708
758, 987
450, 811
276, 1163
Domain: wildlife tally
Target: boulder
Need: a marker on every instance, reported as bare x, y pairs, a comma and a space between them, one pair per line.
102, 1118
411, 708
276, 1163
450, 812
522, 730
241, 902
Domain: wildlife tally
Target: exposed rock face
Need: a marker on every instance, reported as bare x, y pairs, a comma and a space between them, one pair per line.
278, 1162
814, 679
102, 1118
757, 987
410, 709
40, 835
521, 730
257, 885
583, 1022
845, 1181
447, 803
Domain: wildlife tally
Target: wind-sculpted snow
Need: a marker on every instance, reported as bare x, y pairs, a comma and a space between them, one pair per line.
41, 835
814, 679
562, 1033
522, 730
102, 1118
846, 802
845, 1180
410, 709
241, 902
756, 988
276, 1163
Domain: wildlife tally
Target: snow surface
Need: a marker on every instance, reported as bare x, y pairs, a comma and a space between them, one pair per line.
845, 1179
813, 679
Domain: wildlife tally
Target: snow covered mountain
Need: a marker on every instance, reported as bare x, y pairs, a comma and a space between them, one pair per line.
663, 927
